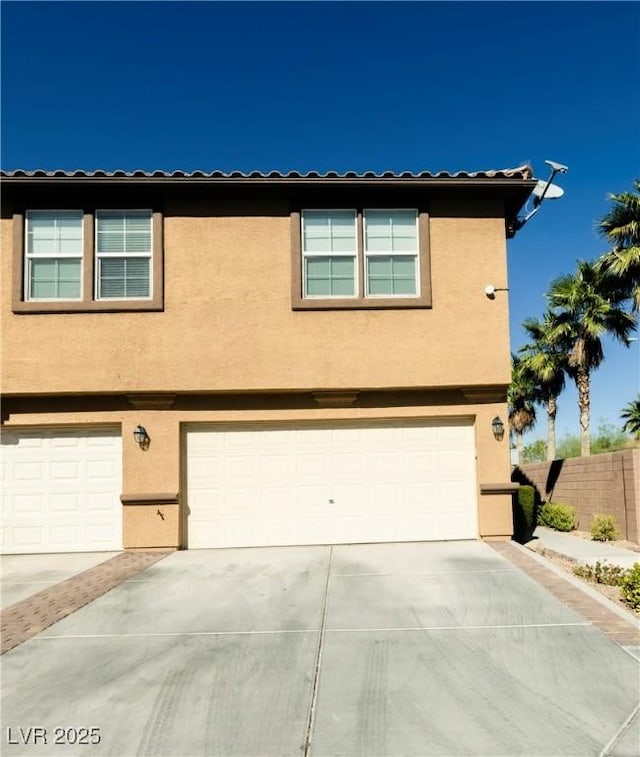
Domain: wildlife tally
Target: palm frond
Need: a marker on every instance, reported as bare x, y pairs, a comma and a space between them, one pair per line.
621, 228
586, 308
521, 397
631, 415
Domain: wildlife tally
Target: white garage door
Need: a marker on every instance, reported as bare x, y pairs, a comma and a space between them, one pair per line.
330, 485
61, 490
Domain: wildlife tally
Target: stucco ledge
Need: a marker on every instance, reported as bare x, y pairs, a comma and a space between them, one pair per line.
507, 487
162, 498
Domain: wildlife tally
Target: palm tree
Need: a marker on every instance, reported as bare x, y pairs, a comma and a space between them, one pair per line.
621, 228
631, 415
545, 361
521, 398
585, 309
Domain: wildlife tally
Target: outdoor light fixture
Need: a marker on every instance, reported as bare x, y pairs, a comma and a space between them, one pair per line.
141, 437
497, 426
490, 291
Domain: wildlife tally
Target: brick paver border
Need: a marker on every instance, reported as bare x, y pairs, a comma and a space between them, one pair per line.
29, 617
613, 626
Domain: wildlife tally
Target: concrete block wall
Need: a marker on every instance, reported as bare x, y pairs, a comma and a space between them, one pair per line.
608, 483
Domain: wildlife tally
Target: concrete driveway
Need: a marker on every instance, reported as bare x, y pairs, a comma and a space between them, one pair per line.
24, 575
389, 649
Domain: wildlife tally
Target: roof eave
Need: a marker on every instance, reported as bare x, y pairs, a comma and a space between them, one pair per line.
282, 181
514, 189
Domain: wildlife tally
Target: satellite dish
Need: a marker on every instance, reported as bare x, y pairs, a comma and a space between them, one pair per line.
542, 191
552, 193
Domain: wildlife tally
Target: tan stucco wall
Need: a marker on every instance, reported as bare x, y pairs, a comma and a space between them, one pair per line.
228, 327
228, 323
151, 526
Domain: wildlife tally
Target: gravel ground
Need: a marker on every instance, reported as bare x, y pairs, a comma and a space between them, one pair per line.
615, 543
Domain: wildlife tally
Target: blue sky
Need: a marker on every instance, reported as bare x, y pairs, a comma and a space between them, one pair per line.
348, 86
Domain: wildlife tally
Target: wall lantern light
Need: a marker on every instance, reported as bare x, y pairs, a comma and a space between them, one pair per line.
497, 426
141, 437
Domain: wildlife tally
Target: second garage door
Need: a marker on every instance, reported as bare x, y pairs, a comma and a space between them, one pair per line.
61, 490
260, 486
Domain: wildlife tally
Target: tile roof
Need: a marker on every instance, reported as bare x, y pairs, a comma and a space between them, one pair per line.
522, 172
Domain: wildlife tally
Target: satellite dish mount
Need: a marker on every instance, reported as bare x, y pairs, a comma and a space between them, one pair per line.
543, 190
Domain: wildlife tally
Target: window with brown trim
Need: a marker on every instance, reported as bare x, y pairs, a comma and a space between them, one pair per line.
75, 260
360, 258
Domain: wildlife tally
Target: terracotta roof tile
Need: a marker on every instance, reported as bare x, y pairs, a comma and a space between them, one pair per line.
521, 172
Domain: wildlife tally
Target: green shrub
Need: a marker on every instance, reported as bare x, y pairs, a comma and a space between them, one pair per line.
557, 516
524, 513
601, 573
630, 586
603, 528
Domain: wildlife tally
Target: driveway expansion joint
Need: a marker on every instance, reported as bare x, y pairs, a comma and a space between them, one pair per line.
31, 616
316, 673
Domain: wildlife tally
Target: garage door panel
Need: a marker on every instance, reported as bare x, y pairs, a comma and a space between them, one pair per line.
64, 535
352, 528
64, 502
309, 499
312, 465
274, 500
346, 497
64, 469
28, 440
419, 468
99, 502
239, 468
343, 464
25, 505
61, 490
26, 535
318, 530
29, 472
276, 468
318, 485
311, 438
203, 470
378, 498
379, 466
201, 446
241, 501
201, 504
100, 470
100, 441
411, 497
412, 439
65, 439
99, 534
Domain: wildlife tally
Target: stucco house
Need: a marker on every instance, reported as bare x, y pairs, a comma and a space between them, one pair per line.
216, 360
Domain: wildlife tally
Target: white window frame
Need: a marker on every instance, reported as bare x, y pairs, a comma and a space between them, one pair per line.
29, 256
352, 255
98, 255
361, 255
386, 253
